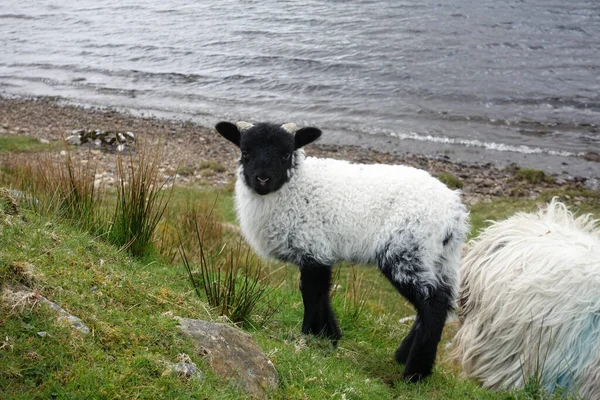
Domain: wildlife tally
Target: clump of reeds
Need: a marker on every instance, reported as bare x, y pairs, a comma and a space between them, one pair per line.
140, 202
51, 185
63, 187
230, 278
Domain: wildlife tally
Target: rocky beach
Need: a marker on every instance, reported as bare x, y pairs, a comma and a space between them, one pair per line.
196, 155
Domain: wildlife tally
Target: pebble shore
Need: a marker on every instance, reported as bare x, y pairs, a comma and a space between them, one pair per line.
197, 155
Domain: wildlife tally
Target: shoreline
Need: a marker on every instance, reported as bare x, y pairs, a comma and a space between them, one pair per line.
202, 157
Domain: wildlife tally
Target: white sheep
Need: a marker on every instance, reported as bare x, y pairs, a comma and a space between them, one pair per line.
315, 212
530, 303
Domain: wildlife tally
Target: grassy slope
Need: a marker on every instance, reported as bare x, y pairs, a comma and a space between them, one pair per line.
124, 300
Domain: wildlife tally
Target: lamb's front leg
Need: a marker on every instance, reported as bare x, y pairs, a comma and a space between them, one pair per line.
315, 282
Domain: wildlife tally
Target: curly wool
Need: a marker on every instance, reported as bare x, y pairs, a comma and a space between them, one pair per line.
335, 210
530, 303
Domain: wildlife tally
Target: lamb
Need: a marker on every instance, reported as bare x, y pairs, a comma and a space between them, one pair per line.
316, 212
530, 303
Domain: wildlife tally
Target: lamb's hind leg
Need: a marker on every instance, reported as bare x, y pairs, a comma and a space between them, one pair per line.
432, 302
430, 322
315, 282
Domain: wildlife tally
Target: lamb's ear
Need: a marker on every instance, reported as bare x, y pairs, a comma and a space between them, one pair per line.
306, 135
229, 131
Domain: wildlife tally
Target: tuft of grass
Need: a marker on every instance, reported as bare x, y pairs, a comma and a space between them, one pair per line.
186, 170
22, 144
231, 279
533, 176
140, 203
180, 220
212, 165
356, 295
450, 180
56, 187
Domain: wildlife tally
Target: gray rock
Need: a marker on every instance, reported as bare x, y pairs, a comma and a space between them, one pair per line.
44, 141
233, 355
42, 334
64, 315
74, 139
187, 370
592, 183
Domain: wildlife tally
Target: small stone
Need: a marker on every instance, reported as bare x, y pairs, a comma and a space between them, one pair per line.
592, 156
74, 139
130, 135
187, 370
120, 147
407, 319
44, 141
42, 334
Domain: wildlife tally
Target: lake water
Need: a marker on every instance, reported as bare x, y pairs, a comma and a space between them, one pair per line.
475, 80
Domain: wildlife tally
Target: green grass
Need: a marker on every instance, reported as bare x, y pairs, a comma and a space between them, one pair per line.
533, 176
22, 144
127, 303
450, 180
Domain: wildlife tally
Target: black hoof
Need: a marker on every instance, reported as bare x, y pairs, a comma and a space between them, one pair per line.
326, 327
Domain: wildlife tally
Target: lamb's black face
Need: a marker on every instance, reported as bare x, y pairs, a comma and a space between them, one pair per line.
267, 152
266, 157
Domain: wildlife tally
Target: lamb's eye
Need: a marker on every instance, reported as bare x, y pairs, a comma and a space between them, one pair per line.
286, 156
245, 155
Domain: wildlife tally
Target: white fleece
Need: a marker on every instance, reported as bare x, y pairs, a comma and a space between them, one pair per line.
530, 303
335, 210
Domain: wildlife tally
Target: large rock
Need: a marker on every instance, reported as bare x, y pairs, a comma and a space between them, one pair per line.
233, 355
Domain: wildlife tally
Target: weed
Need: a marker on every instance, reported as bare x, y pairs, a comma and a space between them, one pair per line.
450, 180
231, 279
356, 295
186, 170
212, 166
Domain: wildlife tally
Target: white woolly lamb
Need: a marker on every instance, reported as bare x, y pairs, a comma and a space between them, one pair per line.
316, 212
530, 303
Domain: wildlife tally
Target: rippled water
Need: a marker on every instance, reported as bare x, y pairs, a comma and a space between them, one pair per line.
464, 77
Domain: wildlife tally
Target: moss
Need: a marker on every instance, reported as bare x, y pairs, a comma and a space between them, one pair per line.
22, 144
533, 176
450, 180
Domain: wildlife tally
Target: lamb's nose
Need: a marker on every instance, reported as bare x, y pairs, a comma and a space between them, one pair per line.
262, 181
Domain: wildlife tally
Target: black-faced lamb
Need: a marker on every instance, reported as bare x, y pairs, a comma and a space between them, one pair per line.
315, 212
530, 304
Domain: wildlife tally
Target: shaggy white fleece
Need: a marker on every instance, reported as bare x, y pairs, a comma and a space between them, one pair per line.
530, 303
335, 210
